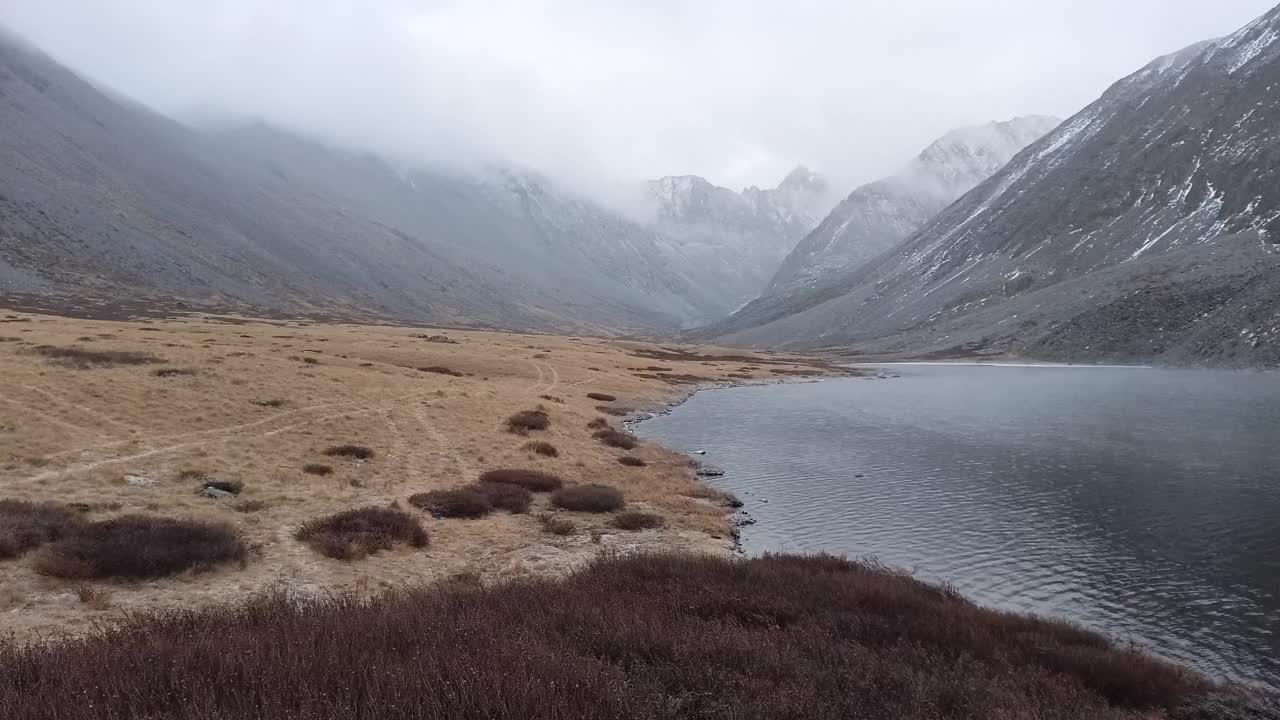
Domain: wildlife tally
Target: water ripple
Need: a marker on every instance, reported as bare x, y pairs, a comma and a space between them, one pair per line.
1142, 503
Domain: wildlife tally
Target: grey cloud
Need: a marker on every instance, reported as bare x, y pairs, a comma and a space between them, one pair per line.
613, 91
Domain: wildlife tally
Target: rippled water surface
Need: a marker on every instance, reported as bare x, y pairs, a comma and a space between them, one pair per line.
1145, 503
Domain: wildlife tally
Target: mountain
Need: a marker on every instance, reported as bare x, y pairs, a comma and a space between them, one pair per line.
879, 215
1147, 227
102, 198
734, 241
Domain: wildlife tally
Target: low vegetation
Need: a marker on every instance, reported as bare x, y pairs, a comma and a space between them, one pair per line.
598, 424
465, 502
588, 498
355, 452
634, 520
174, 372
505, 496
615, 411
523, 422
83, 359
273, 403
625, 638
632, 461
601, 397
440, 370
542, 447
230, 486
553, 398
616, 438
531, 480
319, 469
140, 547
356, 534
26, 525
556, 525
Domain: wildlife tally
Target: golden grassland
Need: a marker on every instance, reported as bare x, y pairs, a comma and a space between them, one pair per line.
257, 401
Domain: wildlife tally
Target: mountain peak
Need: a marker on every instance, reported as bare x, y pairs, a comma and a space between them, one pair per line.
803, 179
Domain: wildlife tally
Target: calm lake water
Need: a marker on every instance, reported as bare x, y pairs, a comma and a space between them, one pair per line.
1143, 503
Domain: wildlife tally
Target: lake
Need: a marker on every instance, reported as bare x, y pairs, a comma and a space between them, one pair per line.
1144, 503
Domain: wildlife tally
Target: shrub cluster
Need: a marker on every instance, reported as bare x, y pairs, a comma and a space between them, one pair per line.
83, 359
355, 534
541, 447
440, 370
140, 546
629, 638
526, 420
588, 498
637, 520
632, 461
356, 452
27, 525
532, 480
601, 397
616, 438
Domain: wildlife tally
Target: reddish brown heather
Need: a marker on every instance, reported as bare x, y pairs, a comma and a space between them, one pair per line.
141, 546
525, 420
456, 503
640, 638
27, 525
588, 498
616, 438
532, 480
355, 534
505, 496
542, 447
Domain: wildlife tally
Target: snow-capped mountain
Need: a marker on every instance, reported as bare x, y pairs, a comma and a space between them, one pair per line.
881, 214
732, 242
1147, 226
102, 198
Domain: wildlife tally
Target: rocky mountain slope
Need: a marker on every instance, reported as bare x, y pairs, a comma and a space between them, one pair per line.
100, 197
1145, 227
735, 241
881, 214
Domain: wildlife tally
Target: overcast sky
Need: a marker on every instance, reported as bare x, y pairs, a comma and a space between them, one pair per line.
738, 91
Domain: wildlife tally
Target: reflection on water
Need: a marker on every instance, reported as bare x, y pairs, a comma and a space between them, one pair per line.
1145, 503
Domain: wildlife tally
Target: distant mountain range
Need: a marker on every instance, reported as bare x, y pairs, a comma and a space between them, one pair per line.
735, 241
879, 215
101, 197
1144, 228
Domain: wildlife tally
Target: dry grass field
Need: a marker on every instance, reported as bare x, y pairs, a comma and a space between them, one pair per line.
117, 419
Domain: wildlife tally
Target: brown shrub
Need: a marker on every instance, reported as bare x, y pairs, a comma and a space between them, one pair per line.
556, 525
588, 498
633, 520
553, 398
141, 546
310, 361
440, 370
531, 480
525, 420
27, 525
85, 359
317, 469
275, 403
232, 486
601, 397
466, 502
632, 461
615, 411
542, 448
598, 424
355, 534
616, 438
627, 638
505, 496
250, 506
173, 372
355, 452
